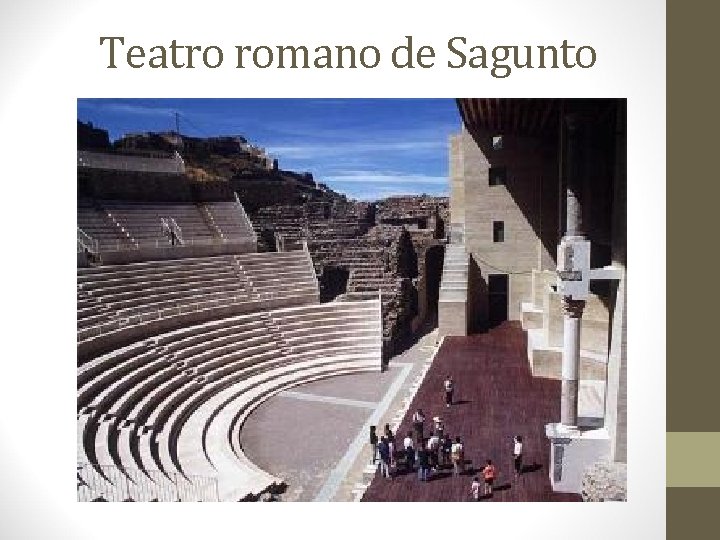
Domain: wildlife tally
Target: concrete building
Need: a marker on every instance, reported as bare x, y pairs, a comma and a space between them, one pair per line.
538, 204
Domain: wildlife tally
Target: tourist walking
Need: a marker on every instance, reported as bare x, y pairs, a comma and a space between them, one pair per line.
475, 489
384, 451
423, 464
409, 448
449, 388
418, 421
373, 443
458, 457
489, 477
518, 454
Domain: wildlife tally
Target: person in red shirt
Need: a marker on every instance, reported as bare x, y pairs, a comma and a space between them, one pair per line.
489, 477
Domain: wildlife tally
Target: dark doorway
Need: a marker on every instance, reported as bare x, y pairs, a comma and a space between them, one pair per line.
333, 282
433, 272
497, 299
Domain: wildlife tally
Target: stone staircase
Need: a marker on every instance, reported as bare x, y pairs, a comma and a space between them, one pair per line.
453, 305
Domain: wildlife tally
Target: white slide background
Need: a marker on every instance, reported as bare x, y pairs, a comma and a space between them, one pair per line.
50, 55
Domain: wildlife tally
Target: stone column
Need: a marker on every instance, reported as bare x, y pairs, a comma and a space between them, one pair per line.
572, 309
573, 187
572, 317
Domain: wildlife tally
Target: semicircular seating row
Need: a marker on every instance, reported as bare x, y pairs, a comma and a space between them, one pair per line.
175, 403
119, 304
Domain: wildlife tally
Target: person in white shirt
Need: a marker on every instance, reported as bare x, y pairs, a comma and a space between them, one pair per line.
475, 488
449, 387
517, 454
433, 447
409, 448
457, 454
439, 426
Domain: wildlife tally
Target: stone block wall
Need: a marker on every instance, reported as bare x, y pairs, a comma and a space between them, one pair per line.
529, 222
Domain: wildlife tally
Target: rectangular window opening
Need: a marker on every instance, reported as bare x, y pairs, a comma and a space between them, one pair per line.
497, 142
497, 176
498, 231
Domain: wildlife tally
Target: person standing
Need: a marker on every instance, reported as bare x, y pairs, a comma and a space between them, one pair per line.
418, 421
438, 426
445, 449
390, 437
489, 477
449, 388
475, 489
433, 448
518, 454
423, 464
373, 443
457, 454
409, 449
384, 451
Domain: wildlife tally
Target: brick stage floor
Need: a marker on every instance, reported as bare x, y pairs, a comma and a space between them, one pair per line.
496, 398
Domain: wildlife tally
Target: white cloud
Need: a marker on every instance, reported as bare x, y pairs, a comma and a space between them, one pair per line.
372, 177
126, 108
354, 149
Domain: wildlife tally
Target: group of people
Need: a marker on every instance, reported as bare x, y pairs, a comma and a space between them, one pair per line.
431, 454
435, 452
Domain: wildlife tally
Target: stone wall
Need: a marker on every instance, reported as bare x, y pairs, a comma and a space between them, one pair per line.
518, 201
133, 185
135, 163
457, 184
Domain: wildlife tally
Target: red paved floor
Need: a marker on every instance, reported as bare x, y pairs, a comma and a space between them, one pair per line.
498, 398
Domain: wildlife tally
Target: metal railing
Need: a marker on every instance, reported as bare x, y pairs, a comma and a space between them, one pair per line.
248, 223
109, 483
171, 230
86, 243
121, 245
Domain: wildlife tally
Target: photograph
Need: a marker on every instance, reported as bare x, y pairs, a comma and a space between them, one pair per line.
351, 299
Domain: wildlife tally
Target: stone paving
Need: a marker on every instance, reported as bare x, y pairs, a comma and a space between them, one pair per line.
315, 436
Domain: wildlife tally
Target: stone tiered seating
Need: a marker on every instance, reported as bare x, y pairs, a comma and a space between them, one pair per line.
110, 484
410, 207
230, 219
121, 303
341, 235
142, 220
174, 404
121, 225
314, 221
96, 224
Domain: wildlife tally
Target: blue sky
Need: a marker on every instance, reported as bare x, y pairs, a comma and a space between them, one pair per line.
366, 148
